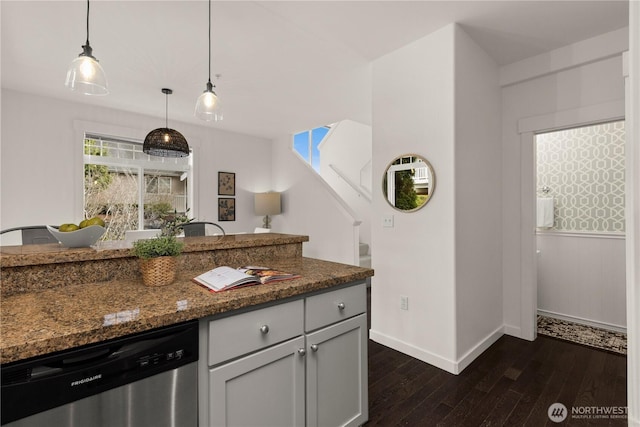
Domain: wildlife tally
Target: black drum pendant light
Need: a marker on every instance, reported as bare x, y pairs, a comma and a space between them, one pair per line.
165, 142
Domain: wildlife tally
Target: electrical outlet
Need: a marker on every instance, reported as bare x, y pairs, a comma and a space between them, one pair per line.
404, 302
387, 220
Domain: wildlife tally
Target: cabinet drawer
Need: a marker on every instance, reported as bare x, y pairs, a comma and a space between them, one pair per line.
330, 307
240, 334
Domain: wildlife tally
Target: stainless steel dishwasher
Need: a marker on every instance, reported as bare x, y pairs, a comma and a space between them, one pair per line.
143, 380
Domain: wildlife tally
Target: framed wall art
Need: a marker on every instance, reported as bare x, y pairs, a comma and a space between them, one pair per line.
226, 184
226, 209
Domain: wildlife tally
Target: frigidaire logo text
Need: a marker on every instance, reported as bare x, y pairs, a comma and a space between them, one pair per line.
86, 380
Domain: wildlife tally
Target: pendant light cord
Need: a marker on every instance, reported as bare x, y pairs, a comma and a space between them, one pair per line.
87, 22
209, 41
166, 110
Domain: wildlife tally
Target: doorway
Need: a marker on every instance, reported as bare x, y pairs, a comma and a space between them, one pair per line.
580, 229
528, 128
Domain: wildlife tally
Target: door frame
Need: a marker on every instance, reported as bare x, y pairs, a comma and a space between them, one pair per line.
528, 128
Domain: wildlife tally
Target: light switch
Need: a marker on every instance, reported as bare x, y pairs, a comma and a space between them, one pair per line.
387, 220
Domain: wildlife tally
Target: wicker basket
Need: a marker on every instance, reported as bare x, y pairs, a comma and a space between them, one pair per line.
160, 271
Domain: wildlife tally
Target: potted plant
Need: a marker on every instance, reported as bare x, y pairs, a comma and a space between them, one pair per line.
158, 255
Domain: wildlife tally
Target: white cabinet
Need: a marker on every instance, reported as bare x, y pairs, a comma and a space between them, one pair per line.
263, 389
299, 363
336, 332
337, 374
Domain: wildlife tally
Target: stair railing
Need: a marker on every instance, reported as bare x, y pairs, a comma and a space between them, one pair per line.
358, 189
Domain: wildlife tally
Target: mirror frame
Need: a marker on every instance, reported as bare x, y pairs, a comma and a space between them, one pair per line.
432, 187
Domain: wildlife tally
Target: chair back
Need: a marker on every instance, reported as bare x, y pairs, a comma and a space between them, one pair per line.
33, 234
198, 228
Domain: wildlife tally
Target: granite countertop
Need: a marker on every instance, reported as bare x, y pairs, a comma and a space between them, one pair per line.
37, 323
53, 253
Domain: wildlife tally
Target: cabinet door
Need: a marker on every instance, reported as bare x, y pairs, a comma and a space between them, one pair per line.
263, 389
337, 374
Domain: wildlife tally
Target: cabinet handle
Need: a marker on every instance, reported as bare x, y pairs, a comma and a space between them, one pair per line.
341, 306
264, 329
302, 352
314, 347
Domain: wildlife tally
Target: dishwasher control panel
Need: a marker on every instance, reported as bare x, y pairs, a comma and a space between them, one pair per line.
161, 358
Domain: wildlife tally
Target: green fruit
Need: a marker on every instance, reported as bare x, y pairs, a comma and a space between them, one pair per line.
68, 227
95, 221
84, 223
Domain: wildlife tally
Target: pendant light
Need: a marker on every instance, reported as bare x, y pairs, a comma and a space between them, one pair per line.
208, 103
85, 73
165, 142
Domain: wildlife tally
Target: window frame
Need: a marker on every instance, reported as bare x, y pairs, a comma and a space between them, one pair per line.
311, 146
85, 129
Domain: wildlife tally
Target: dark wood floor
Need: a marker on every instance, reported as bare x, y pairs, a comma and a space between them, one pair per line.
513, 383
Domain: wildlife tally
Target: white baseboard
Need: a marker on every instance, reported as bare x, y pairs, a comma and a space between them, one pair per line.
451, 366
479, 348
413, 351
583, 321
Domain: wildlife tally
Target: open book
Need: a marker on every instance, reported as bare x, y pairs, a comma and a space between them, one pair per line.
223, 278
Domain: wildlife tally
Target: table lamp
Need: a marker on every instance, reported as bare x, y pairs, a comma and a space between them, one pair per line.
267, 204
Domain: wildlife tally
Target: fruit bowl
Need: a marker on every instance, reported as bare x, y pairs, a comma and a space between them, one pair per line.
82, 238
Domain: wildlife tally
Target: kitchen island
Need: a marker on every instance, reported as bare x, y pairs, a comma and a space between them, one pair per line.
301, 342
54, 298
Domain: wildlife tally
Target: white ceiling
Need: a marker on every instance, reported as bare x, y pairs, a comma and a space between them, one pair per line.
286, 65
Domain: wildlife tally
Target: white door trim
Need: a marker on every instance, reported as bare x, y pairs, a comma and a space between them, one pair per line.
528, 127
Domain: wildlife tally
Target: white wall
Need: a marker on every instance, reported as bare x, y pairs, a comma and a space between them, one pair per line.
310, 207
42, 161
582, 278
583, 87
413, 112
348, 147
439, 97
478, 214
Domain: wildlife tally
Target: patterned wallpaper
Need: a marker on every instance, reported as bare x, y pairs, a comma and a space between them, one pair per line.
583, 169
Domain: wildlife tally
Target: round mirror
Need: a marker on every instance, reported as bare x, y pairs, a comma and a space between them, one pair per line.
408, 182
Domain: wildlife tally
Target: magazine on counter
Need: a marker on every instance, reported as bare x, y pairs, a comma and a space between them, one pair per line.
224, 278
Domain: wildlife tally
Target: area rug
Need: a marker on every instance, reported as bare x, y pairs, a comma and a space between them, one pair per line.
581, 334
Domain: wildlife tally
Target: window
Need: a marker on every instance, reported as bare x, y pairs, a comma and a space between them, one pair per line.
158, 184
129, 189
306, 145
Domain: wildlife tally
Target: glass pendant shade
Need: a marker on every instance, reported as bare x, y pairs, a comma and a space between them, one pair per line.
86, 75
165, 142
207, 106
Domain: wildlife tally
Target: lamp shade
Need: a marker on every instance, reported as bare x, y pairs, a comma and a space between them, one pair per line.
267, 203
165, 142
208, 105
85, 73
87, 76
